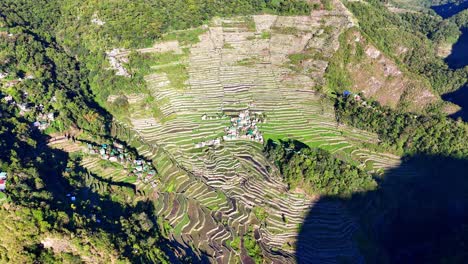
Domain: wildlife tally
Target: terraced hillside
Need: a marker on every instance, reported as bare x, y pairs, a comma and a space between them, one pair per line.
210, 197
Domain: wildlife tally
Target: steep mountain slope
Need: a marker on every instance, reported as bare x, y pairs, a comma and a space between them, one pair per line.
161, 114
401, 38
360, 67
240, 63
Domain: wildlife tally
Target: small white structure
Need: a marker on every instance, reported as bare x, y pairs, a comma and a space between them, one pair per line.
8, 98
116, 63
50, 116
98, 21
213, 142
23, 107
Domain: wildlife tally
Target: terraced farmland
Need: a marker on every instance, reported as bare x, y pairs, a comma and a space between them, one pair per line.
208, 196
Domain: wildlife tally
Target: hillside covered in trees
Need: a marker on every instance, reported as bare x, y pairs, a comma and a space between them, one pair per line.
244, 131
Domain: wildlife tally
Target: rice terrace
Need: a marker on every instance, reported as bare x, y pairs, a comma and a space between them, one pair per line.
257, 137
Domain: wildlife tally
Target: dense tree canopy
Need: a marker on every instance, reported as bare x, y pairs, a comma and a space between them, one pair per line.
316, 170
406, 132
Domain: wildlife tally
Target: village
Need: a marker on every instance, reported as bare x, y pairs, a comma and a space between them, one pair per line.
242, 127
43, 119
116, 152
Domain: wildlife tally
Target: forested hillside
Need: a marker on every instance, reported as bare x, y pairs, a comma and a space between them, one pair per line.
402, 39
244, 131
54, 214
406, 133
52, 56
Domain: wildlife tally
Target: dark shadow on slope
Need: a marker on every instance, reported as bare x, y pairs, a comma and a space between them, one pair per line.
409, 219
95, 203
459, 97
450, 9
458, 57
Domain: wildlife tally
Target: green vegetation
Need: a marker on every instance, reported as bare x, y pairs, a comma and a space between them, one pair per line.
250, 23
140, 23
260, 213
297, 58
177, 75
337, 76
316, 171
327, 4
56, 210
434, 27
286, 30
87, 29
461, 19
406, 133
265, 35
184, 37
235, 243
253, 249
41, 183
103, 218
43, 74
227, 46
247, 62
404, 39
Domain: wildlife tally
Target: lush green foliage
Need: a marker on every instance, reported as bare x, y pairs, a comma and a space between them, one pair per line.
252, 247
107, 215
106, 218
140, 23
56, 54
461, 19
402, 41
337, 76
435, 28
406, 132
43, 71
316, 170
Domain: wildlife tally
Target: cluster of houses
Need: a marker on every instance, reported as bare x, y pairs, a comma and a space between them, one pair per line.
3, 178
116, 152
356, 97
244, 126
43, 119
9, 82
117, 61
